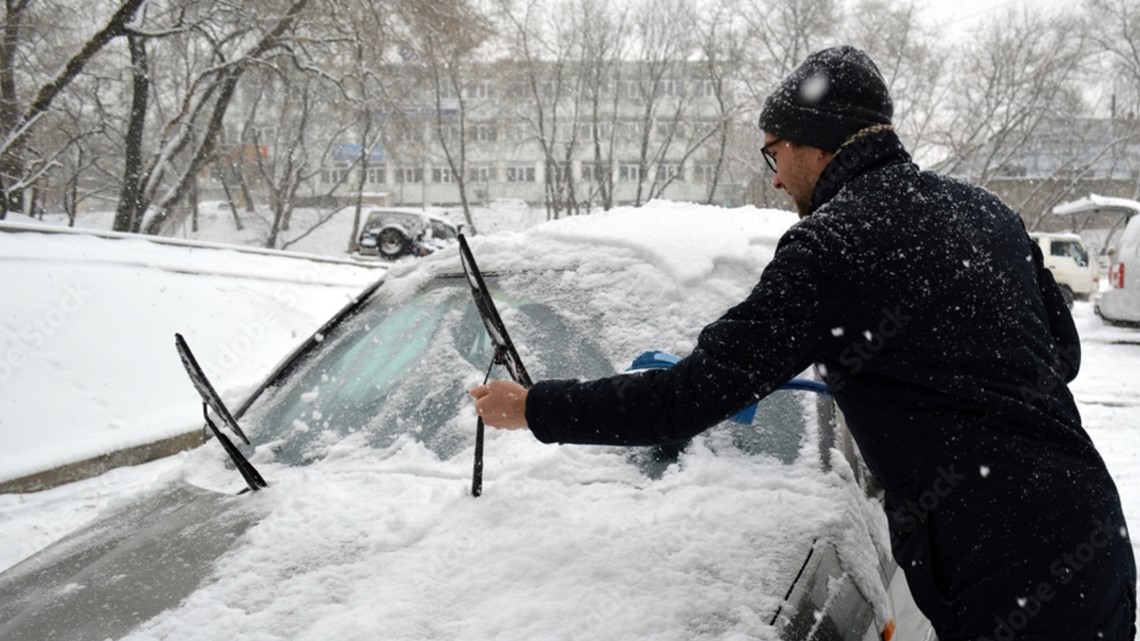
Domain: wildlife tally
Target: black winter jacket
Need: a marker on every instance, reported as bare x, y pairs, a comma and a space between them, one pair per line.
948, 346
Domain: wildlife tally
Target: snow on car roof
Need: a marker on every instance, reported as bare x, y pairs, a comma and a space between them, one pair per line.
683, 239
689, 262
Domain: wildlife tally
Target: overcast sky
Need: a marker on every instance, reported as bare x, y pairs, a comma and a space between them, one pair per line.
959, 16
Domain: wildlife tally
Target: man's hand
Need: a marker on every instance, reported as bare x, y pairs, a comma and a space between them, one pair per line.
501, 404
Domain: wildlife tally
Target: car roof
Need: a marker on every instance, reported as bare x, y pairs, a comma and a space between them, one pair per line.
684, 240
1055, 235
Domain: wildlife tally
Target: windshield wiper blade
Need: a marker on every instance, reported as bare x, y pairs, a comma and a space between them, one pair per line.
211, 400
505, 352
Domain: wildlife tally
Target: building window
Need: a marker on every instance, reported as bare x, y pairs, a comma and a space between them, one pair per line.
375, 175
441, 175
670, 171
413, 133
262, 134
703, 173
447, 91
560, 172
629, 130
483, 133
334, 176
629, 90
486, 174
704, 88
409, 174
520, 174
481, 89
629, 173
594, 172
515, 133
448, 132
670, 87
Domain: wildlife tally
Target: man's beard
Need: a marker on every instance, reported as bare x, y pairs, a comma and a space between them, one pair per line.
803, 206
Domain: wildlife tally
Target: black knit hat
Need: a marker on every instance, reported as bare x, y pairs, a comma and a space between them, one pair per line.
830, 96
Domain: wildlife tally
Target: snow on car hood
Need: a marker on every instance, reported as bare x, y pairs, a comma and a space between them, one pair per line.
567, 542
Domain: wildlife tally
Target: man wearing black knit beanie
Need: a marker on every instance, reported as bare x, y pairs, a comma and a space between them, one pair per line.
1001, 512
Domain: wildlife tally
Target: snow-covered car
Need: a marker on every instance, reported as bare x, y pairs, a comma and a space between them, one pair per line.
394, 233
763, 527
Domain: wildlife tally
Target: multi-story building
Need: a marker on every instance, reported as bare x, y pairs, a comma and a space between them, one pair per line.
510, 131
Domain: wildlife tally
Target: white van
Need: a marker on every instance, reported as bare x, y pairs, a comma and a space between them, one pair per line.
1066, 257
1121, 302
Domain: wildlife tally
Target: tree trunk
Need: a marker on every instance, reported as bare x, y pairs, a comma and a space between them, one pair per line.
11, 164
128, 215
225, 180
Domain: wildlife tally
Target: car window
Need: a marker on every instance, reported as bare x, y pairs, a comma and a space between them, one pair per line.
442, 231
1070, 249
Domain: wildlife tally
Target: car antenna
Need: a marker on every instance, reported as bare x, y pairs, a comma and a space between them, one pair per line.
211, 400
505, 352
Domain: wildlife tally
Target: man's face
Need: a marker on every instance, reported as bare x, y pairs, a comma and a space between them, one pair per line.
797, 169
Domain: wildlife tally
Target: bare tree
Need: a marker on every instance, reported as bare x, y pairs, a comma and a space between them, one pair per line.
662, 45
193, 131
912, 62
600, 29
783, 33
1117, 34
446, 37
18, 120
1013, 74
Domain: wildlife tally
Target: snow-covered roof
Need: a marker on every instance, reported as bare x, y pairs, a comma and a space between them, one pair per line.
1093, 202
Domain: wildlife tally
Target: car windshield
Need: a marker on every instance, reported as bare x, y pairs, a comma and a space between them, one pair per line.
401, 365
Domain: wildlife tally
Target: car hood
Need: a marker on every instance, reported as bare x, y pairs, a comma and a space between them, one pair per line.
104, 580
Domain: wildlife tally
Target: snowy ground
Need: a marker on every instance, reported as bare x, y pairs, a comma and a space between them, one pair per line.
87, 359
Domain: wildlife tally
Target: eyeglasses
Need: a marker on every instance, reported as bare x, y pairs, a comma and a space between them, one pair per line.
768, 156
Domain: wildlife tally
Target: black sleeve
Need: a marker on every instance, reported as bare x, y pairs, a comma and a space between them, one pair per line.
1061, 324
751, 350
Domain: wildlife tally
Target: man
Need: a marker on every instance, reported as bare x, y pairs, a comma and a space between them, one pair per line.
948, 347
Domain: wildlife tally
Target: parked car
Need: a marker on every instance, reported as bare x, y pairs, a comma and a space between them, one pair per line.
1120, 304
765, 526
395, 233
1067, 258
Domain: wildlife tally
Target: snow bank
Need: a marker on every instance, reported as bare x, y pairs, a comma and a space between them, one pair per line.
87, 360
